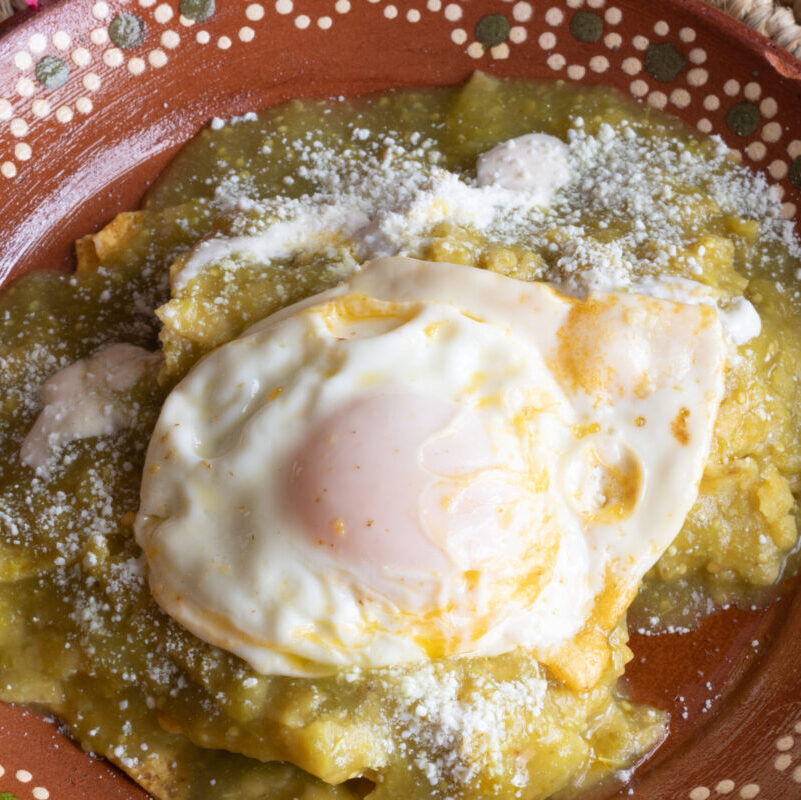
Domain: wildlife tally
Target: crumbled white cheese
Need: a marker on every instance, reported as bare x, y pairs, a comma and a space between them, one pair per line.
385, 199
454, 732
312, 227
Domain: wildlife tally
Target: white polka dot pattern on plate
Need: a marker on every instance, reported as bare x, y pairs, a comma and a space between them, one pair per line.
698, 55
61, 40
170, 40
157, 58
522, 12
64, 114
81, 56
18, 127
113, 57
680, 98
632, 66
23, 60
254, 12
22, 151
547, 40
752, 91
25, 87
772, 132
99, 36
40, 108
697, 77
782, 761
769, 108
731, 87
163, 14
91, 81
661, 28
453, 12
475, 50
500, 51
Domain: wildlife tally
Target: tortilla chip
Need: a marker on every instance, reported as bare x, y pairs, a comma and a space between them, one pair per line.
94, 249
580, 662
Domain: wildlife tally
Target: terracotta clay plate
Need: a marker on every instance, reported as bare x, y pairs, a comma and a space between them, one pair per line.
88, 118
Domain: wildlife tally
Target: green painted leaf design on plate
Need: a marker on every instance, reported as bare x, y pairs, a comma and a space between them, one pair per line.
743, 118
664, 62
197, 10
52, 72
127, 31
586, 26
492, 30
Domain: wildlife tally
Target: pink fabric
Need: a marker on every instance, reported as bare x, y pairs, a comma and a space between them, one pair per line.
34, 4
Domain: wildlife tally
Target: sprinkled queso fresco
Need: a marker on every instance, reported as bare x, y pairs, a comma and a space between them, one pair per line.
339, 464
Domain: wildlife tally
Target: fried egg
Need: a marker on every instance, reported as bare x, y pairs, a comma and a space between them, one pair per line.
429, 460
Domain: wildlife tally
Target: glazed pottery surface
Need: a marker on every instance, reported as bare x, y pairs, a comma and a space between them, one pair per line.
88, 118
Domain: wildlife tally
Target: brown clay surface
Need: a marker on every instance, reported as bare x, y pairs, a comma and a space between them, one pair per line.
83, 173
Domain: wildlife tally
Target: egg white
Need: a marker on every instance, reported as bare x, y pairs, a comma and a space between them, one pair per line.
429, 460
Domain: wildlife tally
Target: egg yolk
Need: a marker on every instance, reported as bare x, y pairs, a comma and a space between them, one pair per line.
355, 480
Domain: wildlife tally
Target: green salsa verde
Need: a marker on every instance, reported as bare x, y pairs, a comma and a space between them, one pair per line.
79, 631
